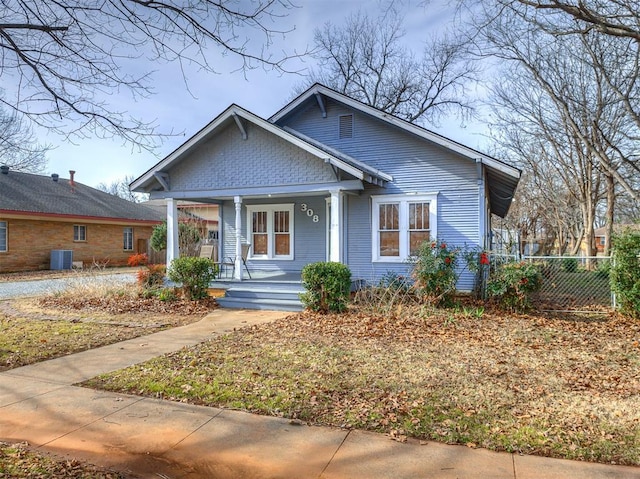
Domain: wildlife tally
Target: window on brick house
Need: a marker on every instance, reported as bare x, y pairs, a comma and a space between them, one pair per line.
79, 233
3, 236
127, 236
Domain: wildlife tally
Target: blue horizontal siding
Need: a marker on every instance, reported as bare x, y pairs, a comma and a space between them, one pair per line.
309, 237
417, 166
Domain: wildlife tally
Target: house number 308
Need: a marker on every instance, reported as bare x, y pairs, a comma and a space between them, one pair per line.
305, 209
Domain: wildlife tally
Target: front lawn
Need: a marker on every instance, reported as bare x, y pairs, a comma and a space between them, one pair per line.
86, 316
557, 386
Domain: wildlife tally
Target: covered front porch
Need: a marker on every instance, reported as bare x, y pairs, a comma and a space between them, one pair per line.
271, 237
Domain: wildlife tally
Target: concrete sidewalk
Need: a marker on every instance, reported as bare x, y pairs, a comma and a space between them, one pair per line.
152, 438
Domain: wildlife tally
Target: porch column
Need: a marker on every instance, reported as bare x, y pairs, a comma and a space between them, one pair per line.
238, 261
173, 248
483, 216
336, 233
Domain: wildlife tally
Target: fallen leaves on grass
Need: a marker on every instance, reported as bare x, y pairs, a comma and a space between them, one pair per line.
34, 330
17, 461
565, 386
116, 304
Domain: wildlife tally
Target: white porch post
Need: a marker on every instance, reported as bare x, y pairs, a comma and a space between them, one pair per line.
238, 261
336, 230
483, 217
173, 248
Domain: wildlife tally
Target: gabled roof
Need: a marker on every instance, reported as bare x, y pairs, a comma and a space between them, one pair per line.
502, 177
236, 114
38, 195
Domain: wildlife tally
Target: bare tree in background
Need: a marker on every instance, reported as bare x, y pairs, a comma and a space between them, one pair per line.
18, 147
364, 58
617, 18
120, 188
66, 56
570, 93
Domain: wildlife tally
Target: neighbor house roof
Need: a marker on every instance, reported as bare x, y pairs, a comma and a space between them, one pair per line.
37, 195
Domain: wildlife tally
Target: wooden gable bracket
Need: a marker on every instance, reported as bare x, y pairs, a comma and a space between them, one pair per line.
336, 171
321, 104
240, 124
163, 179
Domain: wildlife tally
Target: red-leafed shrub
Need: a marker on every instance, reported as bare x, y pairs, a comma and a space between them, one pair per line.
139, 259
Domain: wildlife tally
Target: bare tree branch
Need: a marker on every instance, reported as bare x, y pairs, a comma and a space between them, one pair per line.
64, 57
365, 59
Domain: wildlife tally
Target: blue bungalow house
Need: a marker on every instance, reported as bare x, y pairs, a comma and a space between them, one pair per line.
330, 178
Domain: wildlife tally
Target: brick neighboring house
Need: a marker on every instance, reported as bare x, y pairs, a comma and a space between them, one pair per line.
39, 214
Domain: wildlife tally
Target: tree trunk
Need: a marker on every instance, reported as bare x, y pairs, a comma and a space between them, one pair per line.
611, 199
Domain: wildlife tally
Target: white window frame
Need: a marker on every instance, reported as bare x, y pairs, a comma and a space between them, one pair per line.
80, 238
4, 233
127, 231
403, 202
271, 245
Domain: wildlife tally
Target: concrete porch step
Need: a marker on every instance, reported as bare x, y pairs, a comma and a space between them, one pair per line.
279, 296
260, 303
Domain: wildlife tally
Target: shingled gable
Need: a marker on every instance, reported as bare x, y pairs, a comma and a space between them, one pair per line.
40, 196
157, 177
502, 178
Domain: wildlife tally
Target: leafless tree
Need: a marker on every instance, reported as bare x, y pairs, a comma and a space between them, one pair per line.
618, 18
366, 59
120, 188
64, 57
18, 147
572, 95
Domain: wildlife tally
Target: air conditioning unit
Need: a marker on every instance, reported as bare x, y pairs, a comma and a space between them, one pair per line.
61, 259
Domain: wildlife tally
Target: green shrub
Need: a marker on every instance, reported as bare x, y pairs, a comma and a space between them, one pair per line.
511, 283
625, 273
328, 287
434, 272
194, 274
569, 265
189, 236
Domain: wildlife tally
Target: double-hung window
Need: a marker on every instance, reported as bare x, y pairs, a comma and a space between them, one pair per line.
127, 238
401, 223
3, 236
79, 233
270, 230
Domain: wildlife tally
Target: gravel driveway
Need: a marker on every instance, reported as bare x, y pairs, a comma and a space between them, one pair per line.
15, 289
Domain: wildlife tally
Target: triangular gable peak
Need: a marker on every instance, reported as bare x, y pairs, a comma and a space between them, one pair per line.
158, 179
502, 179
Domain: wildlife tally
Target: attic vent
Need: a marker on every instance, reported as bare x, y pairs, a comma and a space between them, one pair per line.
346, 126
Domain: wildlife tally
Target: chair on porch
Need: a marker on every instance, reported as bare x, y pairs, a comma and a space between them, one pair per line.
230, 261
210, 251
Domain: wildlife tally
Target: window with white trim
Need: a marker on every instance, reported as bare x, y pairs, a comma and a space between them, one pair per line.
3, 236
127, 238
79, 233
270, 231
400, 224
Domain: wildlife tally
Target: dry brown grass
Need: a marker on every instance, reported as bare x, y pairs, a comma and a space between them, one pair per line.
565, 386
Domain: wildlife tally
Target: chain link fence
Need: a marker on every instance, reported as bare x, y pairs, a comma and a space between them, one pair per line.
576, 283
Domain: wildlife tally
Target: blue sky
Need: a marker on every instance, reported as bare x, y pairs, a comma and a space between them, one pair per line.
173, 107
